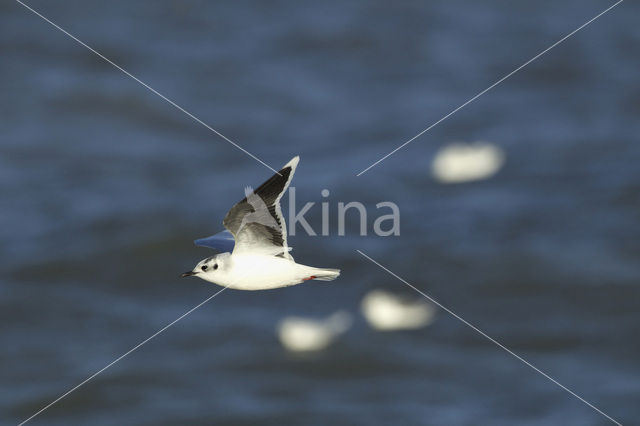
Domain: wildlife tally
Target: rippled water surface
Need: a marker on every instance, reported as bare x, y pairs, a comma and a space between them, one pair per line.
104, 186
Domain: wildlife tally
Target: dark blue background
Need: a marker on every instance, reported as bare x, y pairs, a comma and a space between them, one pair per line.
104, 186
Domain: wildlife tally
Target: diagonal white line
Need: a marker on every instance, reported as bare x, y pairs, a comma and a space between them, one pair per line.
122, 356
491, 87
146, 85
492, 340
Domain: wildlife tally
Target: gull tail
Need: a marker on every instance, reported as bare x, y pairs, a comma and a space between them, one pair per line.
325, 274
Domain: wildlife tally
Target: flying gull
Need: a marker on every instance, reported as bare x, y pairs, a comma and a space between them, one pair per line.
255, 251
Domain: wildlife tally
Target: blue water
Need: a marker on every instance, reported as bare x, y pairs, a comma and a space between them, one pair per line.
104, 186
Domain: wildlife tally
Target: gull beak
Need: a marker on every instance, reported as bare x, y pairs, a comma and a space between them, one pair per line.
187, 274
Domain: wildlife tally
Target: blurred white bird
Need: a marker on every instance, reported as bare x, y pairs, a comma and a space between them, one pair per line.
299, 334
386, 311
464, 162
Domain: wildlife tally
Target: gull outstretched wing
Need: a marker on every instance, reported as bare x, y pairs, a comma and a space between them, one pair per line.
256, 222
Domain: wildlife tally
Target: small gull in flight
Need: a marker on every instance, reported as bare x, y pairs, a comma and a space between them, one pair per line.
255, 252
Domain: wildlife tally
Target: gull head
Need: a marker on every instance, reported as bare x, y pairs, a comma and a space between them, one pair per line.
209, 268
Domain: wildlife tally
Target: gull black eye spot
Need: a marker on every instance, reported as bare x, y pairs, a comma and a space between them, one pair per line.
215, 266
204, 267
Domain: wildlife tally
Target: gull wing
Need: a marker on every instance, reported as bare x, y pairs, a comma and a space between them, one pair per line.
256, 222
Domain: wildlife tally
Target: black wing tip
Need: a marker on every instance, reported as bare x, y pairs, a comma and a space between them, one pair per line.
288, 169
290, 166
293, 162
